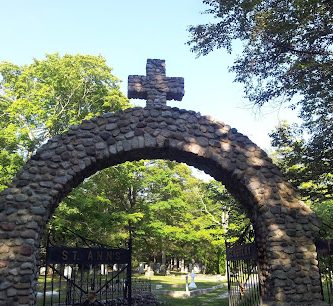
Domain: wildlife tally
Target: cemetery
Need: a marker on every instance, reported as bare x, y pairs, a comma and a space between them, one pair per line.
274, 262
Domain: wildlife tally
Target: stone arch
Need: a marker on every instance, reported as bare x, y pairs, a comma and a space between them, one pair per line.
285, 227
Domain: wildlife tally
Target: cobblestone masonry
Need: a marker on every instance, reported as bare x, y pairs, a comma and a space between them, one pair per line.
156, 88
285, 227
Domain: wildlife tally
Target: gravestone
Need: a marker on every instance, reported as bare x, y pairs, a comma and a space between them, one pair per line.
158, 267
192, 285
149, 272
196, 268
182, 265
42, 270
162, 269
141, 269
68, 271
104, 269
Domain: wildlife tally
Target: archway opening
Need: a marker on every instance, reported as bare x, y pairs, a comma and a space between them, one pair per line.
177, 220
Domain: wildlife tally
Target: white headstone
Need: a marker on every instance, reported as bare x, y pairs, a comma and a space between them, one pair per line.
149, 272
104, 269
68, 271
192, 285
42, 270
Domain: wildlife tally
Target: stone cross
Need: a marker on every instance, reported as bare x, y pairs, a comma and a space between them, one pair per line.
155, 87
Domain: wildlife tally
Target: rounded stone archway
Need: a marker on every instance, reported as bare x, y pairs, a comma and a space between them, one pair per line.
285, 227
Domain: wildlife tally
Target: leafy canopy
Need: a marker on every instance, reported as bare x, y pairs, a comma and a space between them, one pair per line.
169, 211
40, 100
287, 45
287, 56
309, 173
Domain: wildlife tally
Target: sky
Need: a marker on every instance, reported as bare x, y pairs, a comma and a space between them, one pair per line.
126, 33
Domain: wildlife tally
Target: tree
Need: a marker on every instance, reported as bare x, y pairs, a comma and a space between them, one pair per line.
104, 205
311, 176
287, 45
40, 100
324, 211
10, 157
229, 221
172, 214
287, 57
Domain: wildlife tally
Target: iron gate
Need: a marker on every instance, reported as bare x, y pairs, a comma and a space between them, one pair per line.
74, 274
325, 259
242, 270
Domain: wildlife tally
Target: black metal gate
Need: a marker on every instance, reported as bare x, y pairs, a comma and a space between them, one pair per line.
74, 275
325, 259
242, 270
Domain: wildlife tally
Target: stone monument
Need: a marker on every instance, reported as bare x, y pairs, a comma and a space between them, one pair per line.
192, 285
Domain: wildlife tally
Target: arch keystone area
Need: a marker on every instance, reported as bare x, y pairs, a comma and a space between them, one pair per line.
285, 227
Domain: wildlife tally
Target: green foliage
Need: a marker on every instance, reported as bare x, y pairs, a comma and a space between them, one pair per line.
40, 100
287, 56
293, 153
10, 163
324, 210
169, 211
287, 45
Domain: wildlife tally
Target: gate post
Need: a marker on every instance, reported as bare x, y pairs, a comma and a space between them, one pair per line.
46, 267
129, 271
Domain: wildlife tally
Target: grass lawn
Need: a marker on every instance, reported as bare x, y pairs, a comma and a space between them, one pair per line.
177, 282
212, 298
